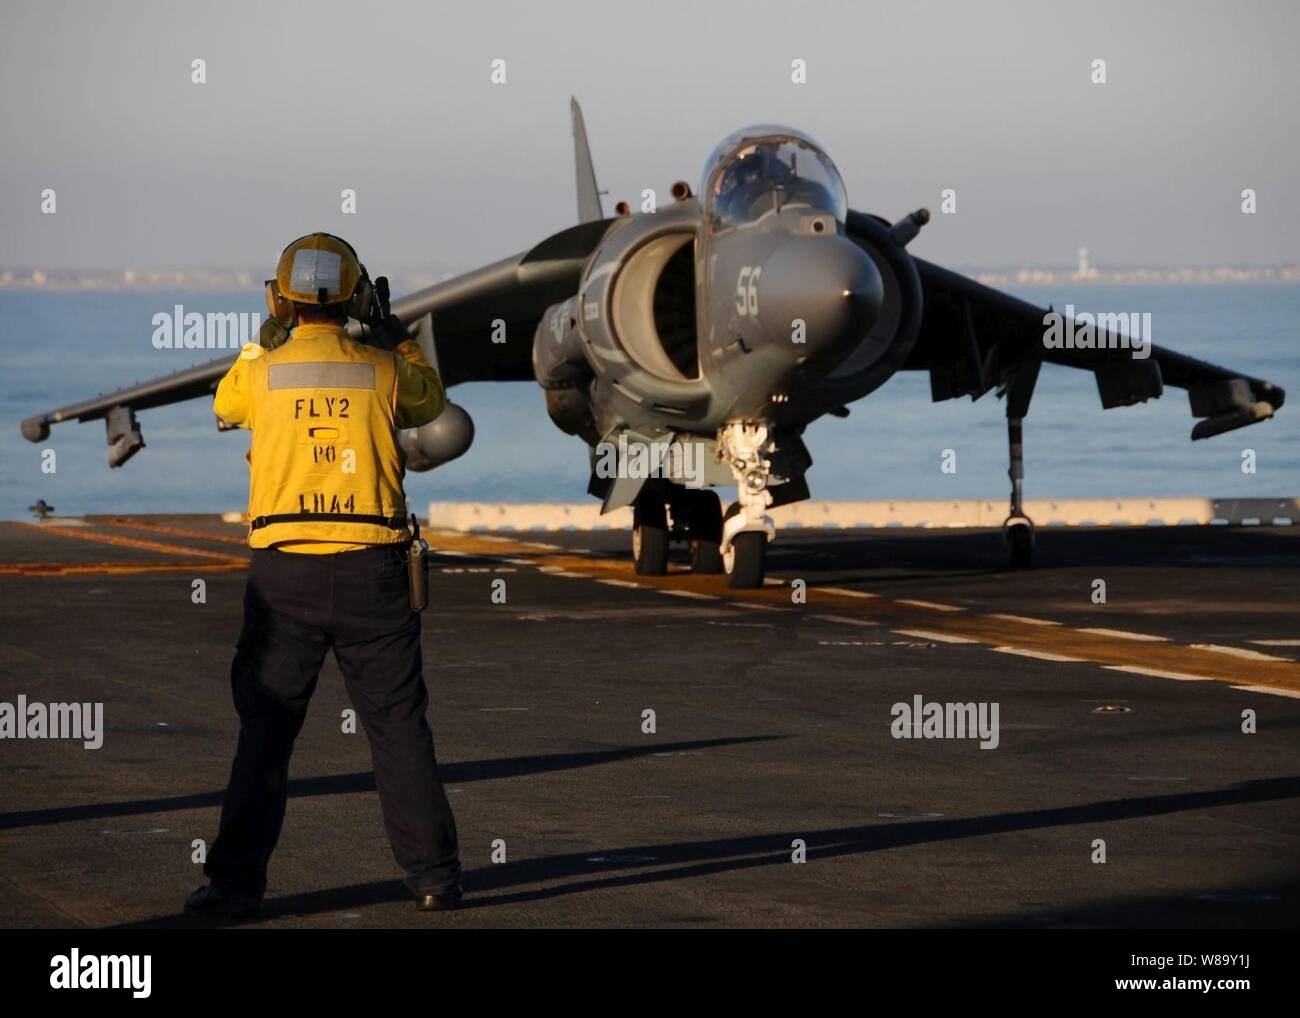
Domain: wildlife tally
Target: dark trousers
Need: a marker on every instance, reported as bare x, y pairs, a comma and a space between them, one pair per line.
296, 606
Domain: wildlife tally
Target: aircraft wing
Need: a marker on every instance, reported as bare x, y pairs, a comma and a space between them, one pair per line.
973, 337
479, 327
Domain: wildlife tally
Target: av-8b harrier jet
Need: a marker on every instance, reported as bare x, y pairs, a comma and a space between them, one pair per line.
714, 330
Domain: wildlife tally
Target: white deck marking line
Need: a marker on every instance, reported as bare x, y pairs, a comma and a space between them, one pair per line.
624, 583
1158, 673
846, 620
1276, 643
1249, 655
1041, 655
922, 634
756, 607
846, 592
688, 593
1124, 634
1022, 618
1269, 689
930, 604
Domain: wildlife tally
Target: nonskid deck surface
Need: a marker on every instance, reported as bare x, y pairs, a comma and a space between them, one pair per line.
774, 721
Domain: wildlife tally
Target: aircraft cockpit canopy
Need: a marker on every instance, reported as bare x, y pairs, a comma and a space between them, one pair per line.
761, 169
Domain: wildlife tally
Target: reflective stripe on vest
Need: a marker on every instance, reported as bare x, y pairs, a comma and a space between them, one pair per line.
324, 464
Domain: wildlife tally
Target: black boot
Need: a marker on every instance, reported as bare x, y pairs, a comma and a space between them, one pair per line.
444, 901
223, 900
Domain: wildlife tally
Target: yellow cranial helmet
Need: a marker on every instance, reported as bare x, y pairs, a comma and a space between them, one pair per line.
321, 268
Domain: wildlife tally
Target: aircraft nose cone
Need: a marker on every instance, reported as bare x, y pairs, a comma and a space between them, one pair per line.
821, 296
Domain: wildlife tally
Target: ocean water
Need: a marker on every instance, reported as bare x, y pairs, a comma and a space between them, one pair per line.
57, 348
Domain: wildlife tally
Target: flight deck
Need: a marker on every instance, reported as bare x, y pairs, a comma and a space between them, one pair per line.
625, 750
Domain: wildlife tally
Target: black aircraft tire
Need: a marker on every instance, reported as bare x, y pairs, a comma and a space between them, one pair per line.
650, 538
748, 560
706, 528
1020, 547
706, 558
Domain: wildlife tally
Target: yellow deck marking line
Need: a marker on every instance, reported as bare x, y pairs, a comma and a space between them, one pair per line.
162, 528
933, 605
1242, 652
925, 634
1158, 673
622, 583
691, 593
1022, 618
1266, 689
1040, 655
845, 620
1276, 643
117, 568
131, 542
1124, 634
1101, 648
758, 607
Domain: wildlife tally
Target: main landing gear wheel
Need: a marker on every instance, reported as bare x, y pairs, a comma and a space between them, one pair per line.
745, 559
650, 536
704, 520
1018, 537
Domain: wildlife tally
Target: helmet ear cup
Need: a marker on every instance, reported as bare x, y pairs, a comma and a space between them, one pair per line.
276, 304
362, 299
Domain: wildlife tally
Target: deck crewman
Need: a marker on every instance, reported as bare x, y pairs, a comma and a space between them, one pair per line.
335, 564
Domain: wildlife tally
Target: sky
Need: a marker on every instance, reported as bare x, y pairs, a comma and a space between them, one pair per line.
395, 101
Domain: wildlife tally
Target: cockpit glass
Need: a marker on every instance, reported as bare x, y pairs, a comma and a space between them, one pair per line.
753, 174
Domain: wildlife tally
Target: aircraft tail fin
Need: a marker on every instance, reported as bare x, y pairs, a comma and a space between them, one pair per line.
588, 193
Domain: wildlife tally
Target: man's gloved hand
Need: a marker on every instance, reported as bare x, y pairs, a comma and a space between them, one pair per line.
388, 333
273, 333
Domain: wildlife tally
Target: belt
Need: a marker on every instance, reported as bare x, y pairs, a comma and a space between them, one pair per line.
391, 522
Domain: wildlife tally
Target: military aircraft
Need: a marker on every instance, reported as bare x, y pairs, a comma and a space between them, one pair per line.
714, 330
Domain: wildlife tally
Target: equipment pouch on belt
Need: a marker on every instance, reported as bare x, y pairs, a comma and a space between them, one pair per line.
417, 568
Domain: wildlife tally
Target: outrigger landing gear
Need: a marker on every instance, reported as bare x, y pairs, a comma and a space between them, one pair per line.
1018, 530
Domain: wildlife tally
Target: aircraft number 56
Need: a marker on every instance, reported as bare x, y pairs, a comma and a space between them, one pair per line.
747, 290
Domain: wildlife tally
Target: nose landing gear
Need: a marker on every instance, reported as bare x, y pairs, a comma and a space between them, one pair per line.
747, 528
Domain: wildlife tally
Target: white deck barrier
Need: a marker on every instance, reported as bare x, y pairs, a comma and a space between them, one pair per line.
1069, 512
